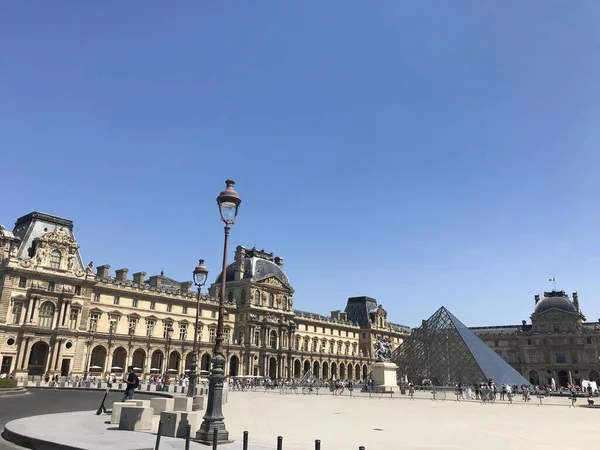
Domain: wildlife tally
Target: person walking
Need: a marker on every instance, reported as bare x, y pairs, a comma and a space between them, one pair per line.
133, 382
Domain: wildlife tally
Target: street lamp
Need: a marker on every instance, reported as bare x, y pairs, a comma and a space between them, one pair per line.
229, 202
90, 341
200, 276
168, 348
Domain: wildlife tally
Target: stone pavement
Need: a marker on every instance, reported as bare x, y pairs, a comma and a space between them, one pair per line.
86, 430
342, 422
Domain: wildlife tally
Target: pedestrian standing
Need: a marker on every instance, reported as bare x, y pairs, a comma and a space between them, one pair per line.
133, 383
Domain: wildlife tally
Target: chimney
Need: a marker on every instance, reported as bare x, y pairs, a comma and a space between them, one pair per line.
239, 263
121, 275
102, 271
576, 300
537, 298
186, 286
279, 261
523, 322
139, 277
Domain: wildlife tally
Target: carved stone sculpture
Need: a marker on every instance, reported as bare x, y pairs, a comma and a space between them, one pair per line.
383, 349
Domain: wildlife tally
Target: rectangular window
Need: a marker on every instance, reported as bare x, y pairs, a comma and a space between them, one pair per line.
150, 328
314, 346
166, 327
226, 317
152, 305
16, 312
97, 298
22, 282
134, 303
113, 324
346, 333
184, 309
591, 357
169, 307
256, 337
211, 334
588, 340
199, 332
132, 325
93, 322
77, 290
331, 347
305, 327
183, 331
560, 358
496, 343
73, 319
528, 341
227, 336
315, 328
51, 286
213, 314
116, 300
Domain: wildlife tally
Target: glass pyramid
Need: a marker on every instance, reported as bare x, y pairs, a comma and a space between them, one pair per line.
444, 352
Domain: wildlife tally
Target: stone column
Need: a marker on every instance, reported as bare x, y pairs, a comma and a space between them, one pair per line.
32, 302
58, 345
148, 361
66, 316
109, 357
22, 353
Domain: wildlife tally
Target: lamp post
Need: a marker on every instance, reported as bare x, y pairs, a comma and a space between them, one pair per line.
90, 341
229, 202
200, 276
111, 328
168, 348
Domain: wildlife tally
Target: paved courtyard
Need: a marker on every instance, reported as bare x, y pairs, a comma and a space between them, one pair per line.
381, 423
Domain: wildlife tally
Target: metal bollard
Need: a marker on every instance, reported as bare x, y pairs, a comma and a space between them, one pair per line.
158, 433
317, 444
215, 439
245, 444
279, 442
188, 431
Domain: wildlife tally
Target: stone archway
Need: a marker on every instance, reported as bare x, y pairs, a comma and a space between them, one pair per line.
205, 363
365, 372
37, 358
97, 359
333, 370
306, 367
316, 370
272, 368
174, 360
563, 378
297, 369
119, 360
594, 376
139, 360
534, 379
350, 371
234, 363
156, 365
357, 372
342, 371
325, 370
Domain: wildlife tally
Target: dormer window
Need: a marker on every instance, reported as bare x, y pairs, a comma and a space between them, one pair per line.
55, 258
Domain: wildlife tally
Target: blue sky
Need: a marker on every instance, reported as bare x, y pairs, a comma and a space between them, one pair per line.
422, 153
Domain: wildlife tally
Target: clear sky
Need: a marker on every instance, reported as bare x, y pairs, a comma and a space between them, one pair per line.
424, 153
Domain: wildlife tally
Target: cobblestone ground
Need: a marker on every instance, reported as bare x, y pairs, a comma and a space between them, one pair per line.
382, 423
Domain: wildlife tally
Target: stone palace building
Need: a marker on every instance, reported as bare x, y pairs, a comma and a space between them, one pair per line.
61, 316
558, 345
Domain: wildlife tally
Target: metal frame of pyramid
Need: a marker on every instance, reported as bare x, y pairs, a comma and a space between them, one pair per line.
444, 352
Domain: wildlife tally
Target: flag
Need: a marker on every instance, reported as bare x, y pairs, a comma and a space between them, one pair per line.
551, 279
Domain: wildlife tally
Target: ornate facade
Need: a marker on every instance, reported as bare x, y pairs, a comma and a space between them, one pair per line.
58, 316
558, 345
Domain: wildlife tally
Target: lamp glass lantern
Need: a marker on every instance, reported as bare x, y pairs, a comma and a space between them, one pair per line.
200, 274
229, 203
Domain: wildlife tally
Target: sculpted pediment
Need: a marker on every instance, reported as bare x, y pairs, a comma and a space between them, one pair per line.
274, 281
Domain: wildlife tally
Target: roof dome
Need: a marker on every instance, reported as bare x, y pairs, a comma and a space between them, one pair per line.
256, 268
554, 300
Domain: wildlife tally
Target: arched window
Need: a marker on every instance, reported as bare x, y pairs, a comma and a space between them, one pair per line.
271, 301
284, 303
273, 339
257, 298
55, 258
243, 297
46, 315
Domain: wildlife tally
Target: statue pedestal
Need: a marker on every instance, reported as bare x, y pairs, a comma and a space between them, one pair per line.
384, 377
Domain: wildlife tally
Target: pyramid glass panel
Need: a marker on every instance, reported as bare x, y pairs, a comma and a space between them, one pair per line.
444, 352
